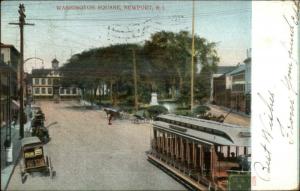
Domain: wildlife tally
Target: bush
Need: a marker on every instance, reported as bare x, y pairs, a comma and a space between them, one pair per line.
127, 109
201, 110
183, 112
156, 110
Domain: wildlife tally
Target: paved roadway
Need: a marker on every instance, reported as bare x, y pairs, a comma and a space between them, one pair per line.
88, 154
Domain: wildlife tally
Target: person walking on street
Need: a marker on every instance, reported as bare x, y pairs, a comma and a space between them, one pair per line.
109, 118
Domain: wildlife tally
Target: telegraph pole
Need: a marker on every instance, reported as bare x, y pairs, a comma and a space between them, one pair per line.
193, 54
21, 24
135, 81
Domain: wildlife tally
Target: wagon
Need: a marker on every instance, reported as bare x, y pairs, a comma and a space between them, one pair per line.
33, 158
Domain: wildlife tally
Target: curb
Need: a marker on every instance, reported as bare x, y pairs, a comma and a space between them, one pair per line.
13, 170
17, 160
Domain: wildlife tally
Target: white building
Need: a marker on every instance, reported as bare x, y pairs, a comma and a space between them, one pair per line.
46, 84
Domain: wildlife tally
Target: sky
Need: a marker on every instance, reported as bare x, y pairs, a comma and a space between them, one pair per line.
63, 28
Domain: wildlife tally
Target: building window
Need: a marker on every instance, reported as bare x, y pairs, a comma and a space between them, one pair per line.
36, 90
68, 91
2, 57
55, 82
43, 90
74, 91
43, 81
49, 90
62, 91
49, 81
36, 81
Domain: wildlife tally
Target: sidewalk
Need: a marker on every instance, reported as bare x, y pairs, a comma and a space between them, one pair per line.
7, 169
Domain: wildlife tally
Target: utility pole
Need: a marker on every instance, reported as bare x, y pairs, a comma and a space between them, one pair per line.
193, 55
21, 24
135, 81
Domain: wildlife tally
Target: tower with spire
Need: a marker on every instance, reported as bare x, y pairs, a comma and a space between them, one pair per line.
55, 64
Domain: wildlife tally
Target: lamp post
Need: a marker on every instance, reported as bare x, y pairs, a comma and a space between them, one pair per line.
37, 58
21, 24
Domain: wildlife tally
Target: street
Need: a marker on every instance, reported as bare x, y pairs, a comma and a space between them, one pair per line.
89, 154
232, 118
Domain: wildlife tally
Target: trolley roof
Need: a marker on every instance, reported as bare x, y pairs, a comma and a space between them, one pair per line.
30, 141
205, 130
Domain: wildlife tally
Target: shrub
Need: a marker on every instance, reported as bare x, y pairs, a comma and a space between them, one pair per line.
201, 110
183, 112
156, 110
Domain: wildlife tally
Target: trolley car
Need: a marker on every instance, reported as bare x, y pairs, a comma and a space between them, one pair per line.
201, 153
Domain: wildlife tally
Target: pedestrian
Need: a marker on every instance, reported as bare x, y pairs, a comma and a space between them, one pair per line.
110, 118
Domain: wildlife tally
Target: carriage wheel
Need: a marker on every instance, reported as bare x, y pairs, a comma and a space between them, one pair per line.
22, 172
47, 160
52, 173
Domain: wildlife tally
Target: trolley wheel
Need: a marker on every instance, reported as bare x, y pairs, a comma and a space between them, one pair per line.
47, 161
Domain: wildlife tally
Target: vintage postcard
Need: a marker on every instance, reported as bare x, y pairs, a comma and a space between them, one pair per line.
149, 95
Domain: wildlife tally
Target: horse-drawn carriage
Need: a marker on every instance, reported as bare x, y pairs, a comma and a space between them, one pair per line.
33, 158
38, 127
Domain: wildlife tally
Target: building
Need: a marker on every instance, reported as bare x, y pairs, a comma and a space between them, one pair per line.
46, 84
9, 105
221, 85
241, 87
232, 89
9, 83
221, 94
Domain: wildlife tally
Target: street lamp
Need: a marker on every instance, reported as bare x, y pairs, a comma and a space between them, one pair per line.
37, 58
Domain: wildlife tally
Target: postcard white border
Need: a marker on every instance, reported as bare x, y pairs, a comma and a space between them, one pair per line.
275, 96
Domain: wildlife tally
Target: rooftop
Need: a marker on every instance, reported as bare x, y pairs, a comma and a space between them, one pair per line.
41, 72
209, 131
225, 69
239, 69
9, 46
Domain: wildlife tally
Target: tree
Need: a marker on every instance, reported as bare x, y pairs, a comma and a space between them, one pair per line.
163, 65
170, 55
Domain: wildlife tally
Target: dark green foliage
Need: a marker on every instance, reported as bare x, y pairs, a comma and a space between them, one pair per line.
184, 112
163, 65
201, 110
156, 110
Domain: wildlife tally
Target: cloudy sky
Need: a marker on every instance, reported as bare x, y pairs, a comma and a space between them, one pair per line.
63, 28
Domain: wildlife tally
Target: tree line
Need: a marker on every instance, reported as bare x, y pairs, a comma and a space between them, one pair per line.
163, 65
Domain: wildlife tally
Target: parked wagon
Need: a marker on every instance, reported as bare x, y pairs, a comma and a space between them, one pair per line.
34, 159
